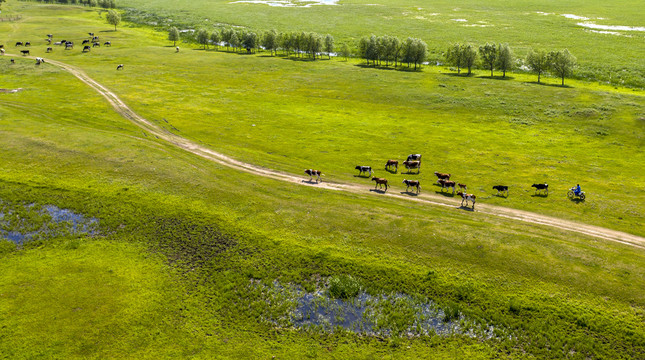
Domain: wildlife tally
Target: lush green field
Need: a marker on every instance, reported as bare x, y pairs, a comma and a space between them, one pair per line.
614, 56
181, 238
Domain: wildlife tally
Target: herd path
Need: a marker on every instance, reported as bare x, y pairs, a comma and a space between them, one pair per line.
188, 145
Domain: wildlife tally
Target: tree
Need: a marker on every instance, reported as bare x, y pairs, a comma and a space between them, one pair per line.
345, 51
216, 38
270, 41
537, 62
93, 3
455, 56
314, 44
420, 52
250, 41
173, 35
202, 37
504, 58
469, 56
234, 40
113, 18
488, 55
329, 45
562, 63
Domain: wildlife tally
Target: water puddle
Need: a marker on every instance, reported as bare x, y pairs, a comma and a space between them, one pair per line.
289, 3
589, 25
381, 315
22, 223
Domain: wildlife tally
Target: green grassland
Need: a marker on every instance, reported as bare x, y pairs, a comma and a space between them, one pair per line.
606, 57
181, 238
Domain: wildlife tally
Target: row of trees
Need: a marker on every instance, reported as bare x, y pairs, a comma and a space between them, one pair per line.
500, 57
106, 4
304, 43
391, 50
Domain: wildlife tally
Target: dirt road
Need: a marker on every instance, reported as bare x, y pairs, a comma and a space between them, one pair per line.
188, 145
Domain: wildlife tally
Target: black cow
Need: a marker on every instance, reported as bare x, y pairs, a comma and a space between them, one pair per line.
96, 45
27, 43
541, 187
413, 183
69, 45
87, 47
86, 41
50, 36
363, 169
119, 67
107, 43
414, 157
24, 52
90, 34
49, 49
19, 43
501, 188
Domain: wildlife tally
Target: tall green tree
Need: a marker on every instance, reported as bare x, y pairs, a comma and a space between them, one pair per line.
505, 58
561, 63
488, 54
234, 40
216, 38
469, 56
345, 51
250, 41
537, 62
270, 41
173, 35
455, 56
329, 45
113, 18
202, 37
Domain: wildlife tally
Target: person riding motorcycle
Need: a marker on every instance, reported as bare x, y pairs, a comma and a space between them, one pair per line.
577, 190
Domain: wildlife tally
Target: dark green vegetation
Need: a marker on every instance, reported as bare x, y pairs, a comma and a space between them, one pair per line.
183, 243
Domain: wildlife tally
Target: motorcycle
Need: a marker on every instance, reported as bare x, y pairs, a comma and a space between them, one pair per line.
572, 194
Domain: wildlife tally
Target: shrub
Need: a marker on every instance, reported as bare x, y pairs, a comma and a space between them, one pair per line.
344, 287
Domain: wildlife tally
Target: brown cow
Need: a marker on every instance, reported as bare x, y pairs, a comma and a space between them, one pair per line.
413, 183
394, 163
313, 173
467, 197
447, 184
412, 165
380, 182
442, 175
461, 186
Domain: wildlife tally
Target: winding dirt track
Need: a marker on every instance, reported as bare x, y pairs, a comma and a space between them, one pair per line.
188, 145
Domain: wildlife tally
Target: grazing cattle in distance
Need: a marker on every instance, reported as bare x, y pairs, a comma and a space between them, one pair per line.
442, 175
462, 186
380, 182
86, 41
363, 169
13, 61
501, 188
394, 163
177, 49
69, 45
58, 43
466, 198
414, 157
413, 183
313, 173
24, 52
49, 41
49, 49
1, 51
119, 67
64, 41
96, 45
39, 60
107, 43
541, 187
19, 43
90, 34
27, 43
447, 184
50, 36
412, 165
95, 38
87, 47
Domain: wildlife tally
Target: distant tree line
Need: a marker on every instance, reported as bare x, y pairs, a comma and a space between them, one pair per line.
106, 4
500, 57
391, 50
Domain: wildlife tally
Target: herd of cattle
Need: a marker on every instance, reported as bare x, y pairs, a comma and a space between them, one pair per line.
92, 39
413, 162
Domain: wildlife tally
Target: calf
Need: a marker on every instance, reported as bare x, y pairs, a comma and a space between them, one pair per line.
442, 175
380, 182
541, 187
363, 169
412, 165
120, 67
414, 157
447, 184
49, 49
309, 172
462, 186
501, 188
87, 47
24, 52
394, 163
90, 34
466, 198
413, 183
